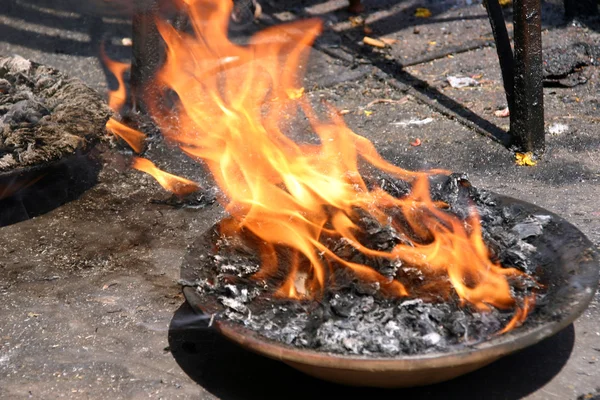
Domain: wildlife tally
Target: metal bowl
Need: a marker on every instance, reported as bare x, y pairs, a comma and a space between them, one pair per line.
569, 270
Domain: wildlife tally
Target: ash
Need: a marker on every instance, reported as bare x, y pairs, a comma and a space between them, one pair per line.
354, 318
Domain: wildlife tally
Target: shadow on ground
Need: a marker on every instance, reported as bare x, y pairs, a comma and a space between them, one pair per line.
229, 372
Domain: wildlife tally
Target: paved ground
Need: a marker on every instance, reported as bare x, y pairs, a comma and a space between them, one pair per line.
89, 297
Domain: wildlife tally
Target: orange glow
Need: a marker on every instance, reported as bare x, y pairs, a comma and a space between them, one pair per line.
172, 183
117, 97
135, 139
520, 314
232, 104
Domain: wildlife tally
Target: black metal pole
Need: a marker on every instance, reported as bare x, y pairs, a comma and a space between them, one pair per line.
505, 53
147, 50
581, 8
527, 115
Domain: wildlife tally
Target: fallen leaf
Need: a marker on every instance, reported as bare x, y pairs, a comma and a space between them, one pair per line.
32, 315
368, 113
422, 13
505, 3
525, 159
295, 94
373, 42
505, 112
416, 142
432, 43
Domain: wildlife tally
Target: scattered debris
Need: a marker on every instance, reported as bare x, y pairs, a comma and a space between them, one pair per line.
414, 121
389, 101
422, 12
416, 142
373, 42
525, 159
461, 81
557, 128
504, 113
368, 113
505, 3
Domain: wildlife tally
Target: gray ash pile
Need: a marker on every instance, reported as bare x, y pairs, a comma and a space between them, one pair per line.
357, 317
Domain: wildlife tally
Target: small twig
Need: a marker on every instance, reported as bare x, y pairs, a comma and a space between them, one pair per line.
389, 101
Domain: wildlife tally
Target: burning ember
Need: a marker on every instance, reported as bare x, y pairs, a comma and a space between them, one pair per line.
315, 222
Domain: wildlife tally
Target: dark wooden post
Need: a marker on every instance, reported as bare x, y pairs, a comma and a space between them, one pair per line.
527, 116
147, 50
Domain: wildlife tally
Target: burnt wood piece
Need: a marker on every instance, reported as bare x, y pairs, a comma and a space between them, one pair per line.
527, 115
147, 50
581, 8
503, 48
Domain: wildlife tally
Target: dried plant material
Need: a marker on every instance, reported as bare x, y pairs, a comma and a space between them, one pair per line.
422, 12
389, 41
389, 101
344, 112
373, 42
505, 3
367, 30
368, 113
414, 121
525, 159
416, 142
505, 112
45, 115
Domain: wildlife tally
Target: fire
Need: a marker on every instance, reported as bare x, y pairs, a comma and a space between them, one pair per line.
170, 182
117, 97
233, 103
135, 139
116, 100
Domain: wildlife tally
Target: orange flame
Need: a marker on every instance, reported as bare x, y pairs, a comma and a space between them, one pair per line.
134, 138
520, 314
116, 100
173, 183
232, 104
117, 97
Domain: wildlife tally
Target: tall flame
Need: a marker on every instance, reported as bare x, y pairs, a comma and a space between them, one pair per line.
232, 104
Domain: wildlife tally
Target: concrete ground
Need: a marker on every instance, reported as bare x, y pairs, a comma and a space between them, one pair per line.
90, 303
